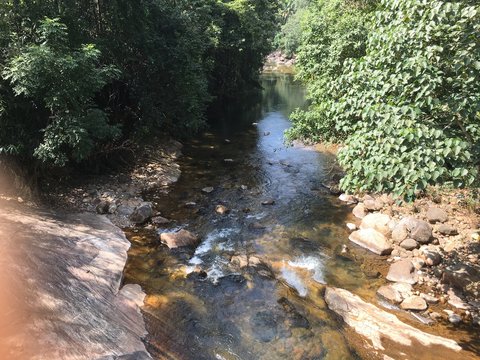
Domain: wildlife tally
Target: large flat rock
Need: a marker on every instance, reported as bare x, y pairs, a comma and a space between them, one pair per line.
60, 282
383, 329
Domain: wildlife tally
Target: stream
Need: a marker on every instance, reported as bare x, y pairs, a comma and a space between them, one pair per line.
253, 287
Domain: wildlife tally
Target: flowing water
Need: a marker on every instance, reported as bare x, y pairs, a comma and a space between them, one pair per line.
253, 287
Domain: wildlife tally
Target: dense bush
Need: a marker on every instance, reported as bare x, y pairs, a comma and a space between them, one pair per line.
334, 31
410, 105
106, 71
402, 94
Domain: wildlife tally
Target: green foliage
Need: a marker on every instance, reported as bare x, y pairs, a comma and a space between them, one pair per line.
64, 81
151, 66
334, 31
411, 105
293, 13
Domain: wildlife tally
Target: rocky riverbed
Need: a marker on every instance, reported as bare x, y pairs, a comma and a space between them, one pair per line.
432, 248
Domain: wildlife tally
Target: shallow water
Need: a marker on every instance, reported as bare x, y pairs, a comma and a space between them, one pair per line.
203, 305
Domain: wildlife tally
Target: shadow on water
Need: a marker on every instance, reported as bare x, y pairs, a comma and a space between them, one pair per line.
253, 288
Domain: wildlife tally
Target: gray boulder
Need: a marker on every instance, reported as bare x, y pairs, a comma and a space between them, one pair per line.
402, 271
142, 214
435, 215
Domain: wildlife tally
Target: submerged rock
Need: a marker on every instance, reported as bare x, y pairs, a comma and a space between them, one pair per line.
179, 239
416, 303
264, 325
372, 240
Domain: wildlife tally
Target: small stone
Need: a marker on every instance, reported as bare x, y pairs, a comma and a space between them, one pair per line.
418, 263
456, 301
415, 303
351, 227
20, 200
454, 318
431, 257
359, 211
435, 215
244, 187
349, 199
429, 299
476, 236
388, 293
447, 230
159, 220
228, 161
435, 316
409, 244
190, 204
268, 202
207, 190
222, 209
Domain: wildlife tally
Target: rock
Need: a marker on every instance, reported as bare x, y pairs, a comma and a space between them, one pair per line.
102, 207
190, 204
399, 233
377, 221
142, 214
124, 210
431, 257
159, 220
179, 239
402, 271
373, 205
452, 317
456, 301
207, 190
460, 275
429, 299
418, 263
351, 227
395, 293
435, 215
359, 211
416, 303
349, 199
409, 244
257, 226
447, 230
378, 325
268, 202
221, 209
476, 236
371, 240
422, 232
112, 208
228, 161
240, 261
264, 326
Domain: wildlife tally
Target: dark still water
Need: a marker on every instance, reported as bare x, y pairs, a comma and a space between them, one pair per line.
253, 288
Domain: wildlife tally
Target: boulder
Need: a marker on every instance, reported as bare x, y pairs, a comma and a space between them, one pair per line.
409, 244
399, 233
359, 211
179, 239
382, 328
373, 204
435, 215
416, 303
422, 232
377, 221
142, 214
372, 240
402, 271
